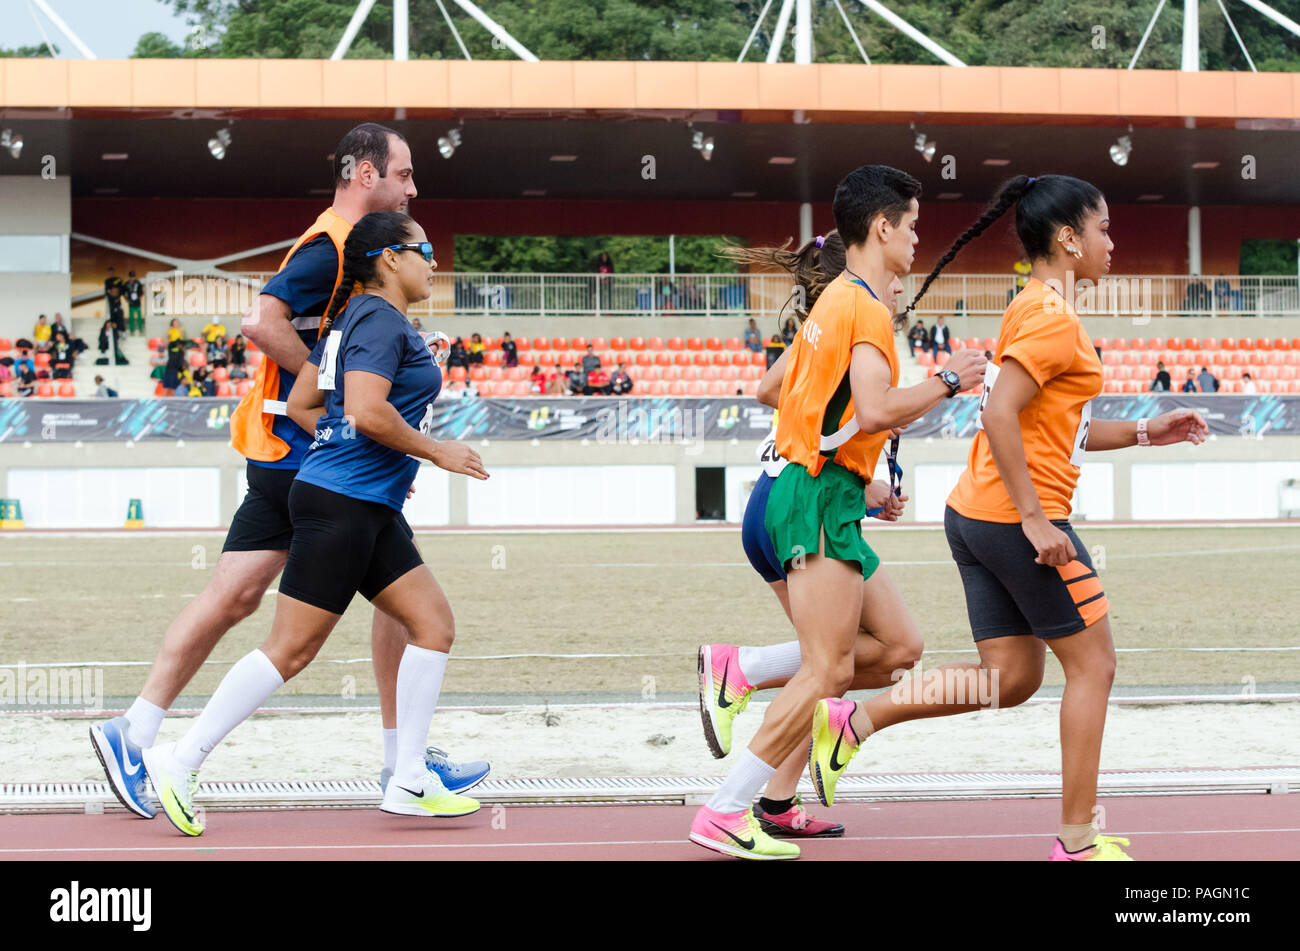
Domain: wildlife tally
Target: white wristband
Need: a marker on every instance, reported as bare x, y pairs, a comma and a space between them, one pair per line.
1142, 433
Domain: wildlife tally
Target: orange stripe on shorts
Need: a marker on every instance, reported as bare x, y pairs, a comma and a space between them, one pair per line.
1073, 570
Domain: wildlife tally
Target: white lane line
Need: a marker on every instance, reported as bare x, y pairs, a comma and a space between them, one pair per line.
594, 843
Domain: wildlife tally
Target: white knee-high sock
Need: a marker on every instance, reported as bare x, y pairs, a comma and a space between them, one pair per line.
240, 693
145, 719
747, 777
778, 662
419, 681
390, 749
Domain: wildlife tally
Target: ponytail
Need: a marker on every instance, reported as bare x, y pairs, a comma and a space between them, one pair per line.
812, 267
1009, 194
378, 229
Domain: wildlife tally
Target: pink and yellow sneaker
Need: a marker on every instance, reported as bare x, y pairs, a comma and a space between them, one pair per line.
724, 693
1104, 848
832, 747
794, 823
738, 834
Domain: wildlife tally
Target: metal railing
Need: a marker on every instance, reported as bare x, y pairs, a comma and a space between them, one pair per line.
757, 295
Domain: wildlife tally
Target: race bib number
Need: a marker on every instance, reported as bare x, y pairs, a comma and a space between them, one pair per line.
772, 463
329, 361
1081, 436
990, 374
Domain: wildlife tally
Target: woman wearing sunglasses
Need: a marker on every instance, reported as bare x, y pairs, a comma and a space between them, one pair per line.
370, 406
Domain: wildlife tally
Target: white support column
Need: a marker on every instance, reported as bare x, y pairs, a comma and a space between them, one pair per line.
778, 36
496, 30
1194, 240
1283, 21
672, 257
910, 31
805, 223
66, 30
401, 30
1191, 36
803, 31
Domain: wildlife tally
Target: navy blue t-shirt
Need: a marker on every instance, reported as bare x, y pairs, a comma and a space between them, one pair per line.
375, 337
305, 284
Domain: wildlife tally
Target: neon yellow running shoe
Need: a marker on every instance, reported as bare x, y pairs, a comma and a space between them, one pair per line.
175, 787
1104, 848
738, 834
724, 694
833, 745
429, 798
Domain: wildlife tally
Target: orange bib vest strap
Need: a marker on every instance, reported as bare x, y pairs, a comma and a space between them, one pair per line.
250, 425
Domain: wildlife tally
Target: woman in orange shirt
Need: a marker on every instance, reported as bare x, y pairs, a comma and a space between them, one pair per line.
839, 400
1028, 579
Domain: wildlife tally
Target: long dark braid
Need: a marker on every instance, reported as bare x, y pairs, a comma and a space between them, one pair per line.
378, 229
1009, 194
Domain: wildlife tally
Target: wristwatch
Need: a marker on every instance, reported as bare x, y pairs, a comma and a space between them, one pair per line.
951, 380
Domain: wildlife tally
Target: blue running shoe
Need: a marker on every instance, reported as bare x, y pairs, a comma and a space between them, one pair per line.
123, 765
457, 777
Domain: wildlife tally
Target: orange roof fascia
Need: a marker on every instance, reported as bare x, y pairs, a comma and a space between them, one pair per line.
823, 88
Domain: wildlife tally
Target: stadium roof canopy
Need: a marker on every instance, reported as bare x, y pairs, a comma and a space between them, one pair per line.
520, 120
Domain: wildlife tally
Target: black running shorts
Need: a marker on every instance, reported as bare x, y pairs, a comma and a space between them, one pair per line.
1007, 593
262, 521
342, 546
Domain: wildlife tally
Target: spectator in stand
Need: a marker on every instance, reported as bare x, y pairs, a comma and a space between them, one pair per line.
62, 353
218, 353
134, 292
509, 348
940, 339
577, 380
42, 333
1189, 384
1162, 382
918, 336
537, 382
27, 378
788, 331
753, 339
22, 364
1023, 269
57, 326
175, 369
775, 347
115, 312
620, 384
204, 383
213, 330
557, 384
415, 322
590, 361
238, 349
457, 355
597, 383
112, 282
476, 348
1207, 381
1247, 384
103, 390
106, 333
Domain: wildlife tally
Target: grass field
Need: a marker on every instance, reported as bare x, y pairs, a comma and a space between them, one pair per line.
654, 594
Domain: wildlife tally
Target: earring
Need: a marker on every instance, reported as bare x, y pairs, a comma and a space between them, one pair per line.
1073, 250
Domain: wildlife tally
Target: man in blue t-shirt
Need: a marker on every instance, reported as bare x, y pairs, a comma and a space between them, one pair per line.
372, 172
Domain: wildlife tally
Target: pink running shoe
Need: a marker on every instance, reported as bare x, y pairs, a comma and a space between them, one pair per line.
738, 834
1104, 848
794, 823
832, 747
724, 693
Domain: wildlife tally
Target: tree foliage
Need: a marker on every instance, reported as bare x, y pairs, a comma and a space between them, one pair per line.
1081, 33
551, 254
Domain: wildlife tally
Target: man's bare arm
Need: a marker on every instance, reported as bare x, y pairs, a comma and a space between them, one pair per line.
269, 324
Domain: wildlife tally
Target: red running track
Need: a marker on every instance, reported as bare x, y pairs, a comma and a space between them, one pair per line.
1222, 828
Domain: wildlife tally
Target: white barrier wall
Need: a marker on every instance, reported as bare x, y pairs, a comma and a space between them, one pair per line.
573, 495
172, 497
431, 504
1210, 489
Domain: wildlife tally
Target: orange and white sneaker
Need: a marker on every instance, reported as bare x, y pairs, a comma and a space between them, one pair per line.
738, 834
724, 694
1104, 848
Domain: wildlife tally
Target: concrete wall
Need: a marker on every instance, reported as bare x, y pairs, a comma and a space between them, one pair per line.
30, 205
199, 485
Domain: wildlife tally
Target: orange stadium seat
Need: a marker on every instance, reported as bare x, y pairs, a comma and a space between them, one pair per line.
1268, 373
644, 358
1156, 343
1138, 343
457, 374
695, 343
926, 359
42, 361
988, 343
6, 344
1293, 387
617, 343
244, 387
223, 389
1109, 358
713, 343
720, 358
1288, 372
751, 388
45, 389
1112, 386
1281, 343
1119, 343
559, 343
1263, 343
254, 359
517, 373
657, 388
710, 374
527, 358
253, 348
580, 343
541, 343
1295, 343
752, 373
701, 358
740, 358
496, 373
522, 344
636, 343
159, 390
485, 387
677, 388
220, 375
650, 373
664, 358
758, 359
655, 343
599, 343
1227, 343
735, 343
1244, 343
67, 390
675, 343
197, 359
670, 374
494, 358
720, 388
1099, 343
477, 372
1210, 343
5, 391
941, 358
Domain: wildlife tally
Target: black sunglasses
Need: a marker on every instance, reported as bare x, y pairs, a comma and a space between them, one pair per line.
424, 247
